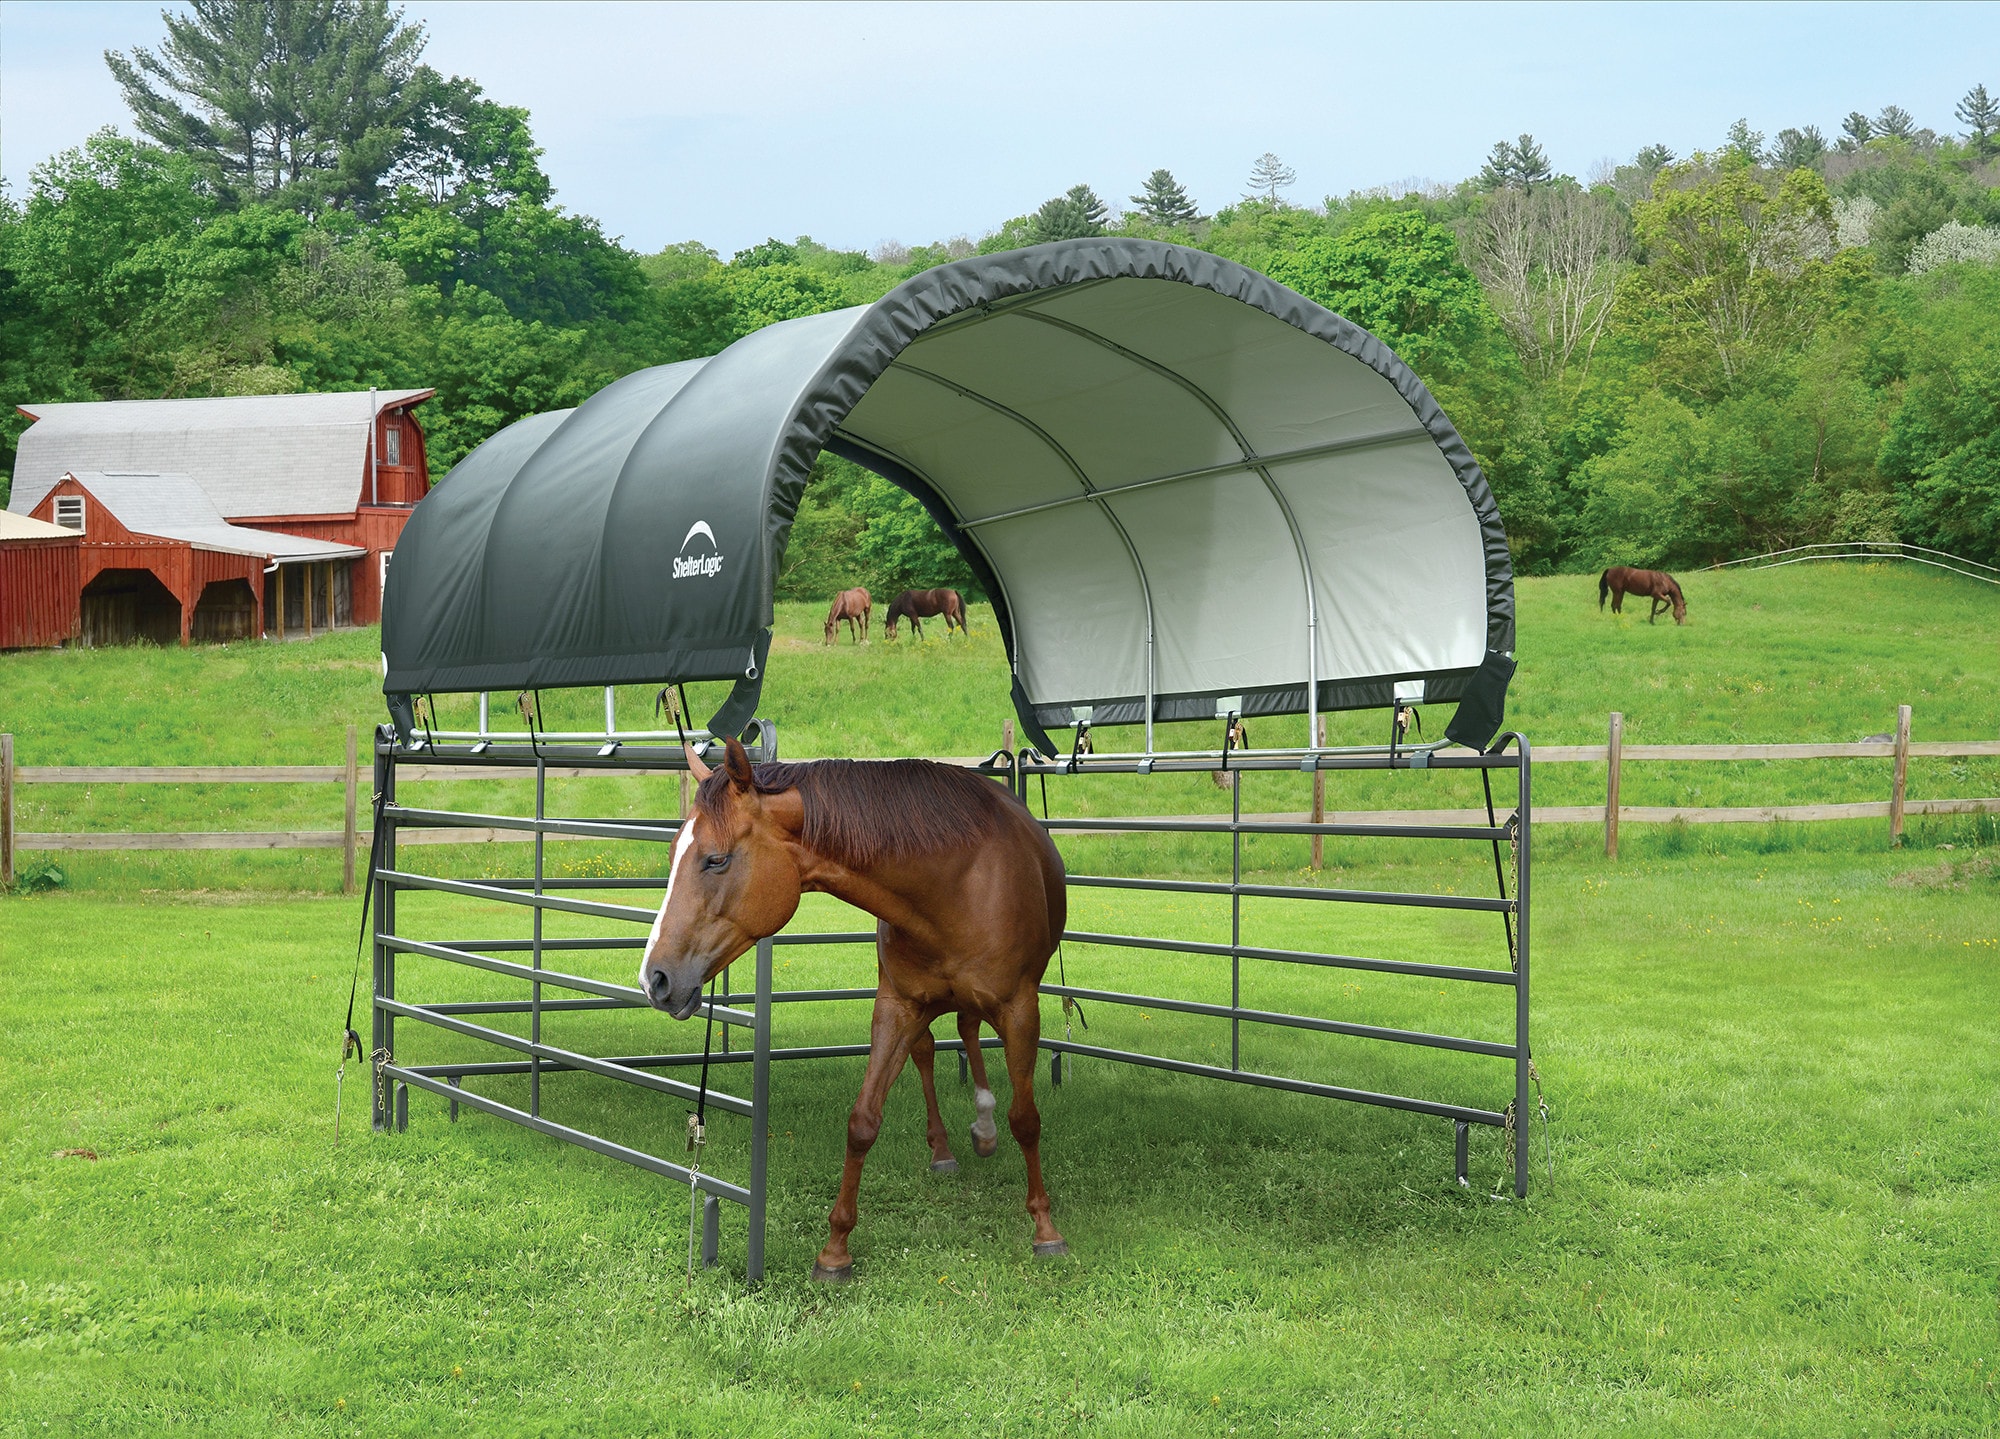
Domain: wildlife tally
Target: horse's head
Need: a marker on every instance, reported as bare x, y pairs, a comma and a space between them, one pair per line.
889, 624
830, 623
1680, 603
732, 881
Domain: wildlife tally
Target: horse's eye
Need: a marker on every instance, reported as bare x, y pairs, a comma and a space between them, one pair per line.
715, 863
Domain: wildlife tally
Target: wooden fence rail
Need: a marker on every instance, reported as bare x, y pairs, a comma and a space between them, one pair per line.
1614, 754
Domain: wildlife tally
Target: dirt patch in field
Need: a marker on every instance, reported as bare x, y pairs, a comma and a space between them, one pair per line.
1948, 873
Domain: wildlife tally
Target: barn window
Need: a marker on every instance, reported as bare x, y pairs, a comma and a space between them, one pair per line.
392, 445
69, 512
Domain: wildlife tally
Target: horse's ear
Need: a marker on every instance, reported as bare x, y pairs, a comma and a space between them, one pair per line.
736, 760
696, 768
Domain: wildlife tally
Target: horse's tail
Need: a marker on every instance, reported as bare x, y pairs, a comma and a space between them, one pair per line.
1603, 587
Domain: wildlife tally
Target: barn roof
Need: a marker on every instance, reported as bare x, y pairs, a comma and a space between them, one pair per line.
1186, 489
254, 454
174, 507
23, 527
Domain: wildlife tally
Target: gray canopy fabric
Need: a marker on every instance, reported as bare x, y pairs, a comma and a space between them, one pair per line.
1185, 488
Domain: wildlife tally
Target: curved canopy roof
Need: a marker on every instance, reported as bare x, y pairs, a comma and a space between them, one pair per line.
1184, 487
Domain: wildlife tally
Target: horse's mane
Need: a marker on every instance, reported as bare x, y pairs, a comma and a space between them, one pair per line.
859, 813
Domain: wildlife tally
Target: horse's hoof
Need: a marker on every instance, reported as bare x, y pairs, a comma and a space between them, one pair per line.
1053, 1249
843, 1275
944, 1166
985, 1148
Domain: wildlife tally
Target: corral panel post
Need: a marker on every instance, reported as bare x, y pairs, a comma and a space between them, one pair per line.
1523, 1057
382, 847
1235, 916
1614, 756
1319, 797
347, 830
1015, 786
1902, 775
535, 997
760, 1110
6, 809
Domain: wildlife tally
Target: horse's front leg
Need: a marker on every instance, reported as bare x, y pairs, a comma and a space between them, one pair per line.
1658, 605
890, 1036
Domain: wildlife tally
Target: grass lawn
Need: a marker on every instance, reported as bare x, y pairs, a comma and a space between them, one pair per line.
1776, 1207
1769, 1052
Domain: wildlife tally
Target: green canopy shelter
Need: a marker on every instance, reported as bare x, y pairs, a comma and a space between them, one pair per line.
1187, 490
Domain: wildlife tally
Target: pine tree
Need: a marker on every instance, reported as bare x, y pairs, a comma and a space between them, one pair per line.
1077, 214
1980, 115
1896, 122
1269, 175
1519, 164
302, 101
1163, 201
1855, 131
1800, 149
1089, 208
1653, 158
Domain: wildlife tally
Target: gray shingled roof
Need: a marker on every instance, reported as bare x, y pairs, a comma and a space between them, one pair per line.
174, 507
253, 454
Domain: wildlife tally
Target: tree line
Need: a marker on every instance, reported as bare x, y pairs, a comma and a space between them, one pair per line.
1672, 361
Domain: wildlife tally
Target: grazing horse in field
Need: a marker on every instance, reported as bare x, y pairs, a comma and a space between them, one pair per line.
922, 605
1656, 585
850, 605
967, 892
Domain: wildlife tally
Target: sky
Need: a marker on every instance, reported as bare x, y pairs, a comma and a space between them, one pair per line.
859, 124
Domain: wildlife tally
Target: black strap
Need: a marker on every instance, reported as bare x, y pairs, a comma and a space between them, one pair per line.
350, 1041
1499, 874
708, 1037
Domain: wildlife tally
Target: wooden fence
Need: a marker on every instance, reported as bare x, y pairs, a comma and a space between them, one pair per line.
1614, 754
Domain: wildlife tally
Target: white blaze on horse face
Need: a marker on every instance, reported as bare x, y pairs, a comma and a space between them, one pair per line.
983, 1127
683, 845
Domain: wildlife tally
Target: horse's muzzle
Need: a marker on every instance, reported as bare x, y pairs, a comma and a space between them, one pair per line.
660, 993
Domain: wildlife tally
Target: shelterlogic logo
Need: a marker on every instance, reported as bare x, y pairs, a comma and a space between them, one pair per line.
703, 561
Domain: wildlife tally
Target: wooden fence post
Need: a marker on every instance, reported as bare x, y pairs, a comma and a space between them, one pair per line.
1902, 775
347, 831
1614, 756
6, 809
1319, 798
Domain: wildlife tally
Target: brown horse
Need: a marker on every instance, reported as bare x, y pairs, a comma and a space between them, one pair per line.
1656, 585
968, 895
850, 605
922, 605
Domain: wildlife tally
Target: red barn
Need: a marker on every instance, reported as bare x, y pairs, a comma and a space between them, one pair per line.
342, 470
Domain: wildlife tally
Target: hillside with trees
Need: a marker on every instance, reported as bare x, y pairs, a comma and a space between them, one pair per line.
1685, 358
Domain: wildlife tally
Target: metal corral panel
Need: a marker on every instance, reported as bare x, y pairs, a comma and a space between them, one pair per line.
40, 581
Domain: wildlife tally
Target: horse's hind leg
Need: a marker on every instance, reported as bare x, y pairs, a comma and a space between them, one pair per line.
1020, 1029
985, 1133
890, 1036
924, 1052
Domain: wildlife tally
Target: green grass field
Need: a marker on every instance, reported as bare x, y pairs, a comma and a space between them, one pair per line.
1769, 1056
1776, 1205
